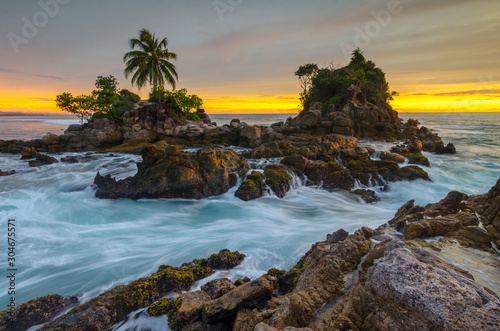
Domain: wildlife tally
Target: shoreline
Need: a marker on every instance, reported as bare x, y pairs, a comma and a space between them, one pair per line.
368, 247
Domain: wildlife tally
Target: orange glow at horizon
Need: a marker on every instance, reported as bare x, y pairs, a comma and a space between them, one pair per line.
443, 101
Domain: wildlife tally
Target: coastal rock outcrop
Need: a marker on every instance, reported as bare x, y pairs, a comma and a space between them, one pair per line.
114, 305
175, 174
471, 220
36, 311
408, 288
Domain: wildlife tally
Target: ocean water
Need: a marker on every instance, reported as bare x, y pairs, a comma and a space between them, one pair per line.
69, 242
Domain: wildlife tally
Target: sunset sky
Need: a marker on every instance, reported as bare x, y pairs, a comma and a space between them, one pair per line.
241, 55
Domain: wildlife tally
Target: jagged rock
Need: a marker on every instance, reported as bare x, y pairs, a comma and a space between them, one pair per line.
114, 305
411, 289
252, 187
250, 294
392, 157
366, 171
36, 311
250, 132
414, 156
41, 160
188, 175
218, 287
277, 179
187, 309
203, 116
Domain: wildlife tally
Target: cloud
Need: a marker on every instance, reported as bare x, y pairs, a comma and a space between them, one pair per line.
7, 70
42, 99
458, 93
49, 77
490, 91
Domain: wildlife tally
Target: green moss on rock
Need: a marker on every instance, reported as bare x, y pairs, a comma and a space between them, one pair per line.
252, 187
162, 307
278, 179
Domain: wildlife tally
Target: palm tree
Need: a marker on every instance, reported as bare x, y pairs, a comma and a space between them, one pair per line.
150, 62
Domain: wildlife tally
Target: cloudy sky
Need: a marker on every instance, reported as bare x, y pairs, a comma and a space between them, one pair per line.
240, 55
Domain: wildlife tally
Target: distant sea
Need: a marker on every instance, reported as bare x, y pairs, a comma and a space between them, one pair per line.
37, 126
70, 242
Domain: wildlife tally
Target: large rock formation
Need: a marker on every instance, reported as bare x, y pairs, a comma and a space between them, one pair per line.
114, 305
472, 220
175, 174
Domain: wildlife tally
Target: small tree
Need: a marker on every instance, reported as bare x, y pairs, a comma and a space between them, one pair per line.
305, 74
82, 106
105, 100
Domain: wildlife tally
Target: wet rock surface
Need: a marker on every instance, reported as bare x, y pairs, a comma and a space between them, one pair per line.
175, 174
114, 305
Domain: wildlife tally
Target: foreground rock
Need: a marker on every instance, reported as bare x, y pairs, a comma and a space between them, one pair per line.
409, 288
114, 305
36, 311
175, 174
472, 220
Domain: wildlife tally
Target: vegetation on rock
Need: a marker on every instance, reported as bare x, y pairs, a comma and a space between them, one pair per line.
329, 85
104, 101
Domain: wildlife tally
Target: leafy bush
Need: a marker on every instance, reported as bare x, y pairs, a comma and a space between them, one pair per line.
104, 101
329, 85
186, 102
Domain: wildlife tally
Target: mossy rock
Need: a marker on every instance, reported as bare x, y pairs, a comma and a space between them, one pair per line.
33, 312
252, 187
225, 259
413, 172
240, 281
288, 280
120, 301
278, 179
317, 171
162, 307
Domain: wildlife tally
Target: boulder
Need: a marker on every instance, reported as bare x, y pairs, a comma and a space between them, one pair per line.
29, 153
409, 288
250, 132
51, 139
297, 163
218, 287
278, 179
253, 293
187, 175
252, 187
187, 309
